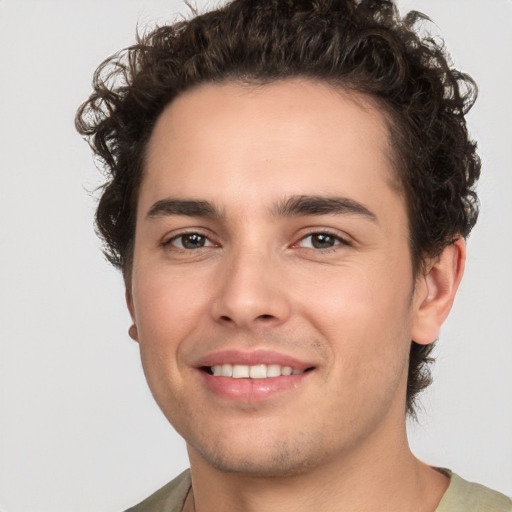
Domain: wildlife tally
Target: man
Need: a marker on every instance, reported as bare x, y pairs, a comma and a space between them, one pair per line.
291, 185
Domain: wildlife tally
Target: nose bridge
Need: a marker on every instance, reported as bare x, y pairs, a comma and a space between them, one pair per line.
251, 292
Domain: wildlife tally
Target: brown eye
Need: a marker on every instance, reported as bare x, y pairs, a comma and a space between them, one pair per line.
320, 241
191, 241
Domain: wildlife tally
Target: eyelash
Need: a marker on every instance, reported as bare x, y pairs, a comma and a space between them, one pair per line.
338, 241
169, 242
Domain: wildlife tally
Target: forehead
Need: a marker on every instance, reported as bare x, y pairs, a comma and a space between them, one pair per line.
290, 137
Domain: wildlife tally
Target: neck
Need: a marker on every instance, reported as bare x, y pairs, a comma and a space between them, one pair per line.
382, 476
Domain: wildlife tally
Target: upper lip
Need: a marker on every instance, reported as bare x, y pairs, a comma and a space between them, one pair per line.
251, 358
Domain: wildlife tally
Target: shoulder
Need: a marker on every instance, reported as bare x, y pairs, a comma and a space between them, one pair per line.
170, 498
464, 496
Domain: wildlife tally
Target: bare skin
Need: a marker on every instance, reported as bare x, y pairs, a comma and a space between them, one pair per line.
270, 226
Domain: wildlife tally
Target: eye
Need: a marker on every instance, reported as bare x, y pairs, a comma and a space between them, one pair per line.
320, 241
190, 241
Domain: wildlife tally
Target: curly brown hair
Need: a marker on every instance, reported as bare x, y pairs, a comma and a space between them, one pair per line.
357, 45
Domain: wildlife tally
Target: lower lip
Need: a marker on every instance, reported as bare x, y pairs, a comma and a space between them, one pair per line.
252, 390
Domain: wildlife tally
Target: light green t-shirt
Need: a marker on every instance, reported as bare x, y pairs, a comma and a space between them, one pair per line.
461, 496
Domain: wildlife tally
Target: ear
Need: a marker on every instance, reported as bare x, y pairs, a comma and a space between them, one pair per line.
132, 331
435, 292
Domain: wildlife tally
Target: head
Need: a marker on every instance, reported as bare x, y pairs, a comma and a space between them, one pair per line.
361, 48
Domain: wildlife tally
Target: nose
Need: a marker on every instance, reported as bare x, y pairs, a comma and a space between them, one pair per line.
251, 293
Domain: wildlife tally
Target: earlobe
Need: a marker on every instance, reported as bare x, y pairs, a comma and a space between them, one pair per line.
435, 292
132, 331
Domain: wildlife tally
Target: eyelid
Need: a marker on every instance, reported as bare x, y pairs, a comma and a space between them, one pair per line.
170, 237
341, 239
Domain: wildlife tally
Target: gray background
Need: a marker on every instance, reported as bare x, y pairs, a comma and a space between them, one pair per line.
78, 428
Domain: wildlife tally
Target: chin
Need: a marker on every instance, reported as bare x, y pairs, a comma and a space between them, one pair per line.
276, 465
281, 458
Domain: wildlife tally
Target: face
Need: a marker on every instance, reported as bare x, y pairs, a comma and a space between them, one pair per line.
272, 287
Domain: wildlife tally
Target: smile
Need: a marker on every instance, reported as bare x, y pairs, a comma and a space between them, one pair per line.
257, 371
243, 377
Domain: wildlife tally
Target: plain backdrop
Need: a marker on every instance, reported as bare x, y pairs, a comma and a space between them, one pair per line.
79, 431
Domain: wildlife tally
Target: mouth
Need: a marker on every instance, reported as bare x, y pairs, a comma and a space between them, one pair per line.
252, 376
256, 371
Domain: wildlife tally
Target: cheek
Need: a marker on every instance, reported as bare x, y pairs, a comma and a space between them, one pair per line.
364, 314
164, 300
166, 311
363, 293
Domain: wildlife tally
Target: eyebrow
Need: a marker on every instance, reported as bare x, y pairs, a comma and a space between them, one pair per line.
321, 205
294, 206
186, 207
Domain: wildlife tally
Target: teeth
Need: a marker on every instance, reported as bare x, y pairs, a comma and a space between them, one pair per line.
240, 371
258, 371
227, 370
273, 370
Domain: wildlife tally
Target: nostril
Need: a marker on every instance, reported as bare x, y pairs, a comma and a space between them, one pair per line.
265, 317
